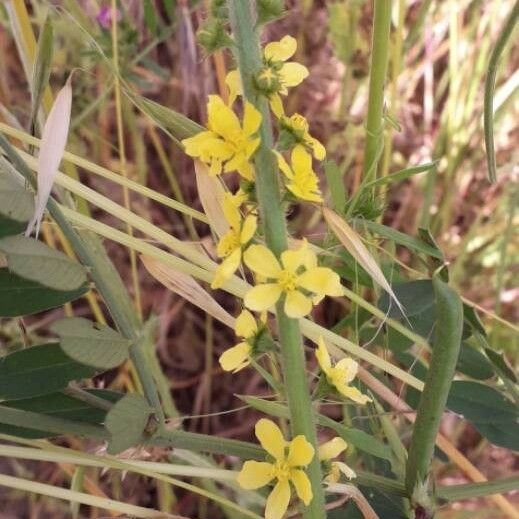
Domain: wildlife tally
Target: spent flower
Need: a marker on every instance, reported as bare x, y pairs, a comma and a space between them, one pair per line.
289, 458
296, 277
341, 374
333, 469
226, 145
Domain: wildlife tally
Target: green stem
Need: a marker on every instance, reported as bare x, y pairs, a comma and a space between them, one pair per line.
490, 83
378, 70
267, 190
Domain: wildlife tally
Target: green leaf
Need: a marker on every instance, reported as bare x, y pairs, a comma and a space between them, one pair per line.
90, 343
35, 261
416, 297
19, 296
398, 237
498, 359
38, 370
335, 185
61, 406
42, 66
16, 204
403, 174
149, 17
493, 415
126, 422
473, 363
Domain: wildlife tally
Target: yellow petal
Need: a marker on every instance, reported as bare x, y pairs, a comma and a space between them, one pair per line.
321, 280
271, 438
318, 149
297, 305
235, 358
302, 485
262, 297
231, 211
233, 81
262, 261
300, 452
322, 356
291, 74
250, 224
276, 105
347, 471
283, 165
352, 393
221, 119
246, 325
255, 474
226, 269
246, 170
349, 368
293, 259
331, 449
277, 502
251, 119
301, 160
280, 50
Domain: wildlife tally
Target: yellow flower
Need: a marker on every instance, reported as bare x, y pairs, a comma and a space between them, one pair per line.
277, 75
232, 243
238, 356
226, 144
298, 127
289, 460
302, 180
329, 450
297, 277
341, 374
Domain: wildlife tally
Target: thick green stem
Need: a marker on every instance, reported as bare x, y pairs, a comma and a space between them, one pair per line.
267, 190
377, 78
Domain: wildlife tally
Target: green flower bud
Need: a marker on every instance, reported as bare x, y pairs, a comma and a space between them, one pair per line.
269, 10
213, 35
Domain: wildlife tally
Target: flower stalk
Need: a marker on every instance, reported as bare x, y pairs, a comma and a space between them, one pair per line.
249, 61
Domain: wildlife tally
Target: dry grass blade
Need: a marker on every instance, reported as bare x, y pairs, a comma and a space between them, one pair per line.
353, 244
186, 287
211, 195
53, 142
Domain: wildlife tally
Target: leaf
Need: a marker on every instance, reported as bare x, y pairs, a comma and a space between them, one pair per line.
19, 296
53, 142
186, 287
354, 245
41, 68
126, 422
149, 17
16, 203
416, 296
403, 174
90, 343
500, 362
472, 319
399, 238
493, 415
473, 363
211, 194
335, 185
38, 370
35, 261
59, 405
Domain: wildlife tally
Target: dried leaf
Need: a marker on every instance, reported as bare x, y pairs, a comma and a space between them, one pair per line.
53, 142
211, 194
353, 244
186, 287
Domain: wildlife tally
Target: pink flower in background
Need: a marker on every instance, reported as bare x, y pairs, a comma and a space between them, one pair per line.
104, 17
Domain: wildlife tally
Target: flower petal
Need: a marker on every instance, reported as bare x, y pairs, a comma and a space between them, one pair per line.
321, 280
277, 502
291, 74
352, 393
301, 160
246, 325
262, 297
283, 165
302, 485
331, 449
235, 358
323, 357
262, 261
297, 305
250, 224
318, 149
280, 50
226, 269
276, 105
300, 452
255, 474
221, 119
231, 211
349, 367
347, 471
251, 119
233, 81
271, 438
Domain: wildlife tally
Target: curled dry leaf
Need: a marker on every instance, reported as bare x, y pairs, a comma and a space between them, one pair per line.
53, 142
353, 244
211, 194
186, 287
